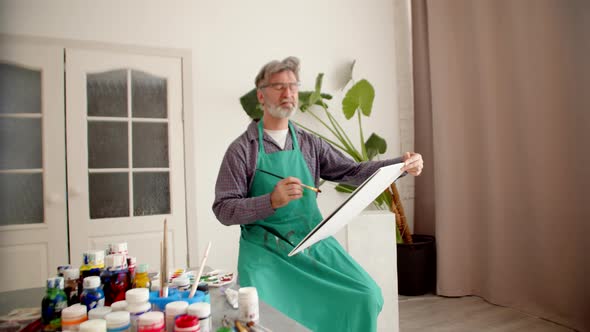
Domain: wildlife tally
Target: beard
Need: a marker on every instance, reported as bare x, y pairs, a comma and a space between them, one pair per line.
282, 112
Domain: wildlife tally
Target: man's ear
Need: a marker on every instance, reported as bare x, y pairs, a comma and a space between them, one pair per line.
260, 96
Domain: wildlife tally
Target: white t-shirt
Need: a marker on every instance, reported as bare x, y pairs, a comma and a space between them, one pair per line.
280, 136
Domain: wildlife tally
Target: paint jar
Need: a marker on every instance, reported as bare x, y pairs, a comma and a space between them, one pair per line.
137, 304
73, 285
94, 325
248, 304
131, 268
61, 269
174, 309
121, 249
181, 283
151, 322
92, 296
99, 313
116, 283
142, 279
118, 321
93, 263
119, 306
187, 323
53, 303
202, 310
73, 316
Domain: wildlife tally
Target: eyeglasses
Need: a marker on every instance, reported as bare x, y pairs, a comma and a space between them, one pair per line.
293, 86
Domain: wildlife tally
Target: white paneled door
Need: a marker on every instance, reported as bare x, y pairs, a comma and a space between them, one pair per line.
125, 167
33, 221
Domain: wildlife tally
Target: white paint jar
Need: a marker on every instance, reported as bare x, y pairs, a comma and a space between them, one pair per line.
248, 304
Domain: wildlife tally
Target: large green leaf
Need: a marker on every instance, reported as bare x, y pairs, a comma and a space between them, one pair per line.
375, 145
360, 95
250, 104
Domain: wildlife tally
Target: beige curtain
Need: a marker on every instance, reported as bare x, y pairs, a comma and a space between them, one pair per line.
502, 109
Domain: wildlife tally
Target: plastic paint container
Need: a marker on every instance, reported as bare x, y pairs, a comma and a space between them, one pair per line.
118, 321
174, 309
248, 304
187, 323
151, 322
137, 304
92, 296
202, 310
119, 305
99, 313
94, 325
72, 317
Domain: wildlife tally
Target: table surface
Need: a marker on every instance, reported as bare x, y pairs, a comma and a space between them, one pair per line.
269, 316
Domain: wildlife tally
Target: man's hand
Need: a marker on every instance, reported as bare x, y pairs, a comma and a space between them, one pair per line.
285, 191
413, 163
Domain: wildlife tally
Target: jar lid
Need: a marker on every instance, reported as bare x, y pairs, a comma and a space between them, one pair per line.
185, 321
199, 309
176, 308
119, 305
91, 282
117, 318
137, 295
247, 294
55, 282
151, 318
93, 325
99, 312
118, 247
72, 273
115, 261
74, 311
143, 267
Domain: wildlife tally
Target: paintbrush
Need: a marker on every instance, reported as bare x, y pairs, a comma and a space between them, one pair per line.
164, 276
317, 190
198, 278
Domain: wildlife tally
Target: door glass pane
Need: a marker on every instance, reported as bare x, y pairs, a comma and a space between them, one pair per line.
109, 195
21, 199
20, 90
150, 95
107, 93
20, 143
107, 144
151, 193
150, 144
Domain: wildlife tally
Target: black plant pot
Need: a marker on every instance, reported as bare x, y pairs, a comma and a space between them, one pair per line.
416, 266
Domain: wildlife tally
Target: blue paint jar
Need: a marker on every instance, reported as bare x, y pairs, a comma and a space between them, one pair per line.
92, 296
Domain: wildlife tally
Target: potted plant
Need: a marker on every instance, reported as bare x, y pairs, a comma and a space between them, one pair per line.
413, 250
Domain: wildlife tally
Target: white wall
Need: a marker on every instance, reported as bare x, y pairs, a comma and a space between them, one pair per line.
230, 40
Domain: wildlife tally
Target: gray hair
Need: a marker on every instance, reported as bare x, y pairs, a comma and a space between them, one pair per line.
290, 63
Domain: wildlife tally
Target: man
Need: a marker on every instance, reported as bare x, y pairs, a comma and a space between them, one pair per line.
323, 288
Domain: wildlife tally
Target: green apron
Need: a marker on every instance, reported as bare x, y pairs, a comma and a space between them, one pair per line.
322, 288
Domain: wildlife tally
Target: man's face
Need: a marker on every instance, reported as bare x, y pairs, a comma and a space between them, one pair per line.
280, 95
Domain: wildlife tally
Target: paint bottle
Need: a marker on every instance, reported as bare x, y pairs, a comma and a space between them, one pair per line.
142, 279
53, 303
181, 283
187, 323
119, 305
151, 322
92, 296
93, 263
72, 317
131, 267
137, 304
173, 310
99, 313
115, 278
202, 310
73, 285
94, 325
248, 304
119, 321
